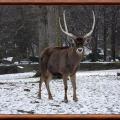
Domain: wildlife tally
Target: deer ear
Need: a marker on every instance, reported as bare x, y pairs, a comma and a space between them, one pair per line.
87, 40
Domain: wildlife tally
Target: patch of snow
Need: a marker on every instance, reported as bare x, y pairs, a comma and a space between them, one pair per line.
16, 63
87, 61
99, 73
20, 67
97, 91
117, 60
24, 62
8, 59
87, 51
9, 77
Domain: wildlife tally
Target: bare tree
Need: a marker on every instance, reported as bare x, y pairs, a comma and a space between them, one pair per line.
113, 31
105, 34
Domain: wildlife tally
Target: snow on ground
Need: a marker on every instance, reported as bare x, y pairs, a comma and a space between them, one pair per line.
16, 76
98, 93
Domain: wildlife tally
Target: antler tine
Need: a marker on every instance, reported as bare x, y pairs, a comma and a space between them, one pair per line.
66, 29
93, 26
66, 32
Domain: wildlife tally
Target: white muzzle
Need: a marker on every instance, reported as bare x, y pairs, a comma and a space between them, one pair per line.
79, 50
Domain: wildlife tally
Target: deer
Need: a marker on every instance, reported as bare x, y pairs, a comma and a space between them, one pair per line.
63, 60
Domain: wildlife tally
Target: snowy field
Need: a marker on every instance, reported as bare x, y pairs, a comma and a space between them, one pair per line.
98, 93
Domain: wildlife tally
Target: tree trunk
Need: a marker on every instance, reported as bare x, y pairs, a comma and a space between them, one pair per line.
48, 27
42, 28
105, 34
52, 28
113, 32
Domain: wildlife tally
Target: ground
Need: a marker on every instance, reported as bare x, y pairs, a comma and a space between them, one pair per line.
97, 91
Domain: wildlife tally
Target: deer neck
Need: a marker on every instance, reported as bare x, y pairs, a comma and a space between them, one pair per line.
75, 54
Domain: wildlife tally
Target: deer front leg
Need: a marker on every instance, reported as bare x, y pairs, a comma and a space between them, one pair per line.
65, 88
73, 80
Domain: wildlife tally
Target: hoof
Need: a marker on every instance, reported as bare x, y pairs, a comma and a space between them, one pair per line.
39, 96
75, 99
50, 98
66, 101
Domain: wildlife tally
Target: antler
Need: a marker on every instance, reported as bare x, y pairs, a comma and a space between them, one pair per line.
66, 29
91, 31
66, 32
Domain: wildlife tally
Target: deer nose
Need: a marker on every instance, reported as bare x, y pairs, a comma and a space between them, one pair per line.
80, 49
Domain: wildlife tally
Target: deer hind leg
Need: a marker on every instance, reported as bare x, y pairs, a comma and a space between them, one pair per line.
47, 79
40, 84
73, 80
65, 88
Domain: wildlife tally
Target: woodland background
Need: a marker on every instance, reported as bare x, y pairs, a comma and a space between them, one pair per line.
25, 30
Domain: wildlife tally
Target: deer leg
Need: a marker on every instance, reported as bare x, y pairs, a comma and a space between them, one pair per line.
73, 80
48, 90
48, 77
40, 84
65, 88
